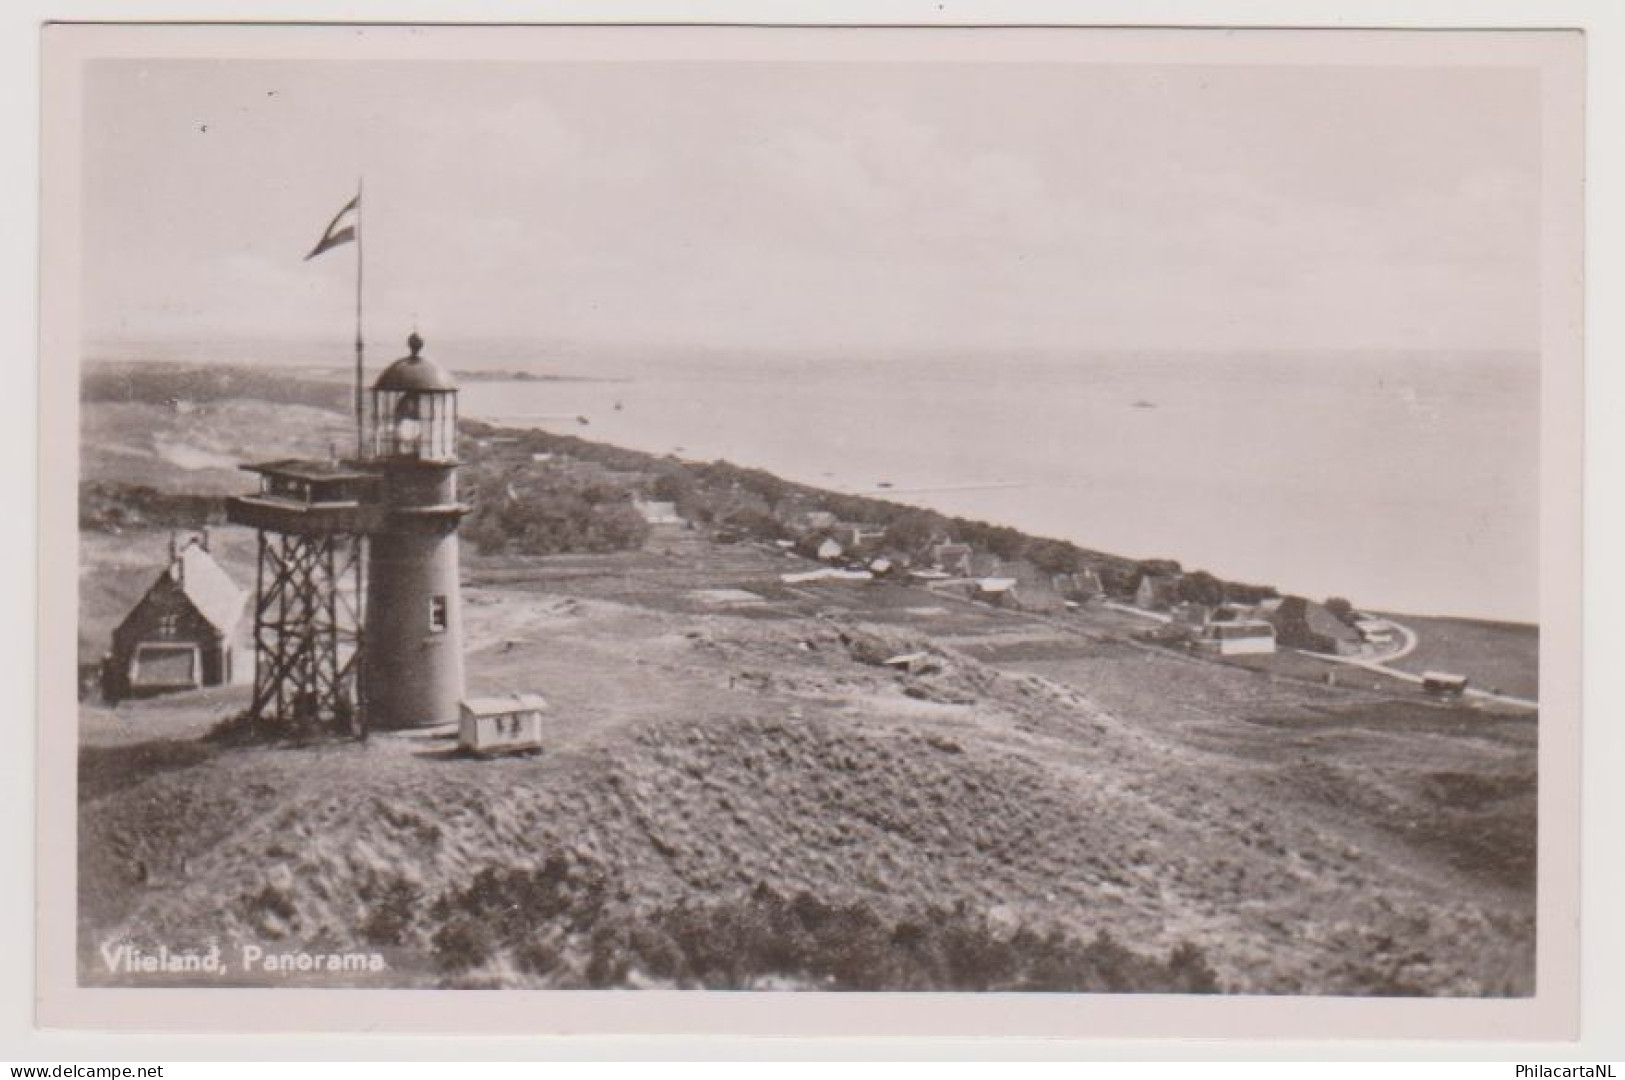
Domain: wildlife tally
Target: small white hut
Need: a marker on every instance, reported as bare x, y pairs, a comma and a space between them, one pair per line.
501, 723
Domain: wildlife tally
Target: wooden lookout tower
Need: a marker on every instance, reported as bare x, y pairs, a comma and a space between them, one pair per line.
357, 614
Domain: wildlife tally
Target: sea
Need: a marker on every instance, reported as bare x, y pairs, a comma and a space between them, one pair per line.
1404, 482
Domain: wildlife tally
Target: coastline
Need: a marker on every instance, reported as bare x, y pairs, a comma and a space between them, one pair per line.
1413, 495
591, 449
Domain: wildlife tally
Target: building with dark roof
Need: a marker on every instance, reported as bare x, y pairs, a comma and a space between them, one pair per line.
182, 633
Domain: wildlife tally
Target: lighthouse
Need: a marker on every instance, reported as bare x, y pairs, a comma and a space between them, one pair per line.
412, 665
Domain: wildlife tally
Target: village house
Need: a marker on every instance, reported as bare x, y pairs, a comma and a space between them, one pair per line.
660, 513
182, 633
952, 557
983, 565
859, 539
1377, 632
1080, 586
830, 549
1240, 637
1157, 592
1196, 616
1034, 590
812, 520
1230, 610
999, 591
1300, 624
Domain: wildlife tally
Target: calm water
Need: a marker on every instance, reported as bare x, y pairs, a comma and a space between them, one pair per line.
1404, 482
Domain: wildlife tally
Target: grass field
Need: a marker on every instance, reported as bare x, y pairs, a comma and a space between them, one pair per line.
708, 767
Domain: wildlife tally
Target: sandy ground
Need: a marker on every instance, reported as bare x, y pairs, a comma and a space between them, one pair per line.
1050, 773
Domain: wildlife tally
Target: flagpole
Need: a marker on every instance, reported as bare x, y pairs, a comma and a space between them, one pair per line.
360, 349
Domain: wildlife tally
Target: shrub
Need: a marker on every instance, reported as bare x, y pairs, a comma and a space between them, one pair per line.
388, 921
463, 943
523, 510
563, 921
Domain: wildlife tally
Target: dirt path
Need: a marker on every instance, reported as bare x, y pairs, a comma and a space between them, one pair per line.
1382, 666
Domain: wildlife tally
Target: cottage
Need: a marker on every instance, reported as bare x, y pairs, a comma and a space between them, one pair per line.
830, 549
1157, 592
859, 538
1300, 624
996, 590
813, 520
1079, 586
1378, 632
982, 565
1035, 589
1241, 637
182, 633
1196, 616
952, 557
659, 513
505, 723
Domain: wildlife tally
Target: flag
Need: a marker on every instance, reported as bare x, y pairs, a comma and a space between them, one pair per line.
341, 230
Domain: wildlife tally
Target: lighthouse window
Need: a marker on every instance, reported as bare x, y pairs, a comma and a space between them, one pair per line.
437, 614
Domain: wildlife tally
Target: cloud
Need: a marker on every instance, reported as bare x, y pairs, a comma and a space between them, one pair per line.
825, 207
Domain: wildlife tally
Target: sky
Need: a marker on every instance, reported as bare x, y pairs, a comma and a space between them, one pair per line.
793, 208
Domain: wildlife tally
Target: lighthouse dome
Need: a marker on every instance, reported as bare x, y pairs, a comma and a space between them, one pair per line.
415, 373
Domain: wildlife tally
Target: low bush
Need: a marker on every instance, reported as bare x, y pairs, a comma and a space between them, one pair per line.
564, 921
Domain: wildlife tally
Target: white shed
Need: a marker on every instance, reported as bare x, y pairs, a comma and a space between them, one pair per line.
501, 723
1242, 637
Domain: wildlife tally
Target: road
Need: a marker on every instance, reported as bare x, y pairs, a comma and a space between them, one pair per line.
1407, 646
1379, 664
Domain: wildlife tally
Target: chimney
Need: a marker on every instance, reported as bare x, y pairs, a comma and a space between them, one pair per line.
174, 546
203, 538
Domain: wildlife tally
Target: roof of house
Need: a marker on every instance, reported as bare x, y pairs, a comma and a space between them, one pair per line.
658, 513
1244, 628
205, 584
1160, 586
500, 705
1322, 621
